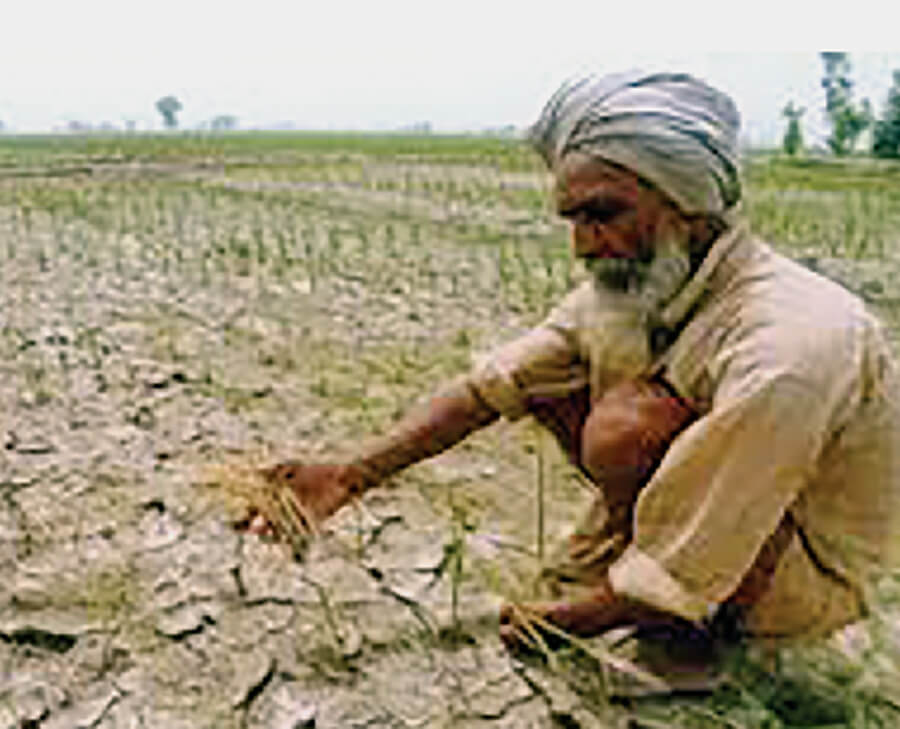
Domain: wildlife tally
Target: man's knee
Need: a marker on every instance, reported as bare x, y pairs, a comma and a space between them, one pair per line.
629, 430
564, 418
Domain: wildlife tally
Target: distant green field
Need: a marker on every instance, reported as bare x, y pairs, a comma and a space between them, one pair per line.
28, 149
857, 212
475, 190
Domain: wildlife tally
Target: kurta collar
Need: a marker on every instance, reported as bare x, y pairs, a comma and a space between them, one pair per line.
685, 300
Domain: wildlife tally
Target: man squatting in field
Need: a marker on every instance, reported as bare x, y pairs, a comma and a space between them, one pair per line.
736, 412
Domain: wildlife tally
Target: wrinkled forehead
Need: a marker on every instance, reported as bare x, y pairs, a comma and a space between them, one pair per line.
579, 177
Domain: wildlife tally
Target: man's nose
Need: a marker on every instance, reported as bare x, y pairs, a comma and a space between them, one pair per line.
586, 243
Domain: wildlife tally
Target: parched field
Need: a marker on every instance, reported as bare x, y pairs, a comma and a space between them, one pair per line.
175, 301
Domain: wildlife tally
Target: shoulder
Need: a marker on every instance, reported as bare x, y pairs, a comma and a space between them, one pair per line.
570, 311
791, 322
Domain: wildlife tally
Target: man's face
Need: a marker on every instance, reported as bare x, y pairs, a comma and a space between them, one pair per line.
618, 222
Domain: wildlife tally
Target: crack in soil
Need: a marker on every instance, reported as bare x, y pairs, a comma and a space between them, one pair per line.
43, 639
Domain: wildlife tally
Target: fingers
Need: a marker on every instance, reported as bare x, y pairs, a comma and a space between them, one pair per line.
551, 624
281, 512
300, 518
553, 612
256, 524
513, 640
288, 511
260, 526
530, 628
294, 500
280, 473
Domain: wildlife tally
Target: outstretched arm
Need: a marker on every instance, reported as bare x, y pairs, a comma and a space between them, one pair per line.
320, 489
499, 384
432, 427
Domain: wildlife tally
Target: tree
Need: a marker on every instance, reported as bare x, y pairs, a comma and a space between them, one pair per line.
847, 122
793, 136
169, 106
886, 142
223, 123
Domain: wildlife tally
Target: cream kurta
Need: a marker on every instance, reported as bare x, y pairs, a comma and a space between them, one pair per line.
798, 394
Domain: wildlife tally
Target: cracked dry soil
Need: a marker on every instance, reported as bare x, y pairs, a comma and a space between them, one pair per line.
125, 598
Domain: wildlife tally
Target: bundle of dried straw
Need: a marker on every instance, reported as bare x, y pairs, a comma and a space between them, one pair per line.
248, 489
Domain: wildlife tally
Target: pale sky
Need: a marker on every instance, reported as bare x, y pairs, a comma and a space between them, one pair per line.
382, 64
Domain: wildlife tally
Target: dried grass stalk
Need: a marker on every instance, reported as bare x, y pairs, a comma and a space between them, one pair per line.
246, 490
531, 628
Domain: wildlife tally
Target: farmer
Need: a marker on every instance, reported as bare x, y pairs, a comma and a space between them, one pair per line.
737, 413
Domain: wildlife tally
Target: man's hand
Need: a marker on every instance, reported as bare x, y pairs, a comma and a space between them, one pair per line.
315, 491
525, 627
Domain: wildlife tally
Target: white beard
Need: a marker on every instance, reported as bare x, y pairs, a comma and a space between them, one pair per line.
631, 296
647, 285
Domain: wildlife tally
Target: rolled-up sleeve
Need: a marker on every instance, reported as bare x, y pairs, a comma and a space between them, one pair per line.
544, 361
721, 491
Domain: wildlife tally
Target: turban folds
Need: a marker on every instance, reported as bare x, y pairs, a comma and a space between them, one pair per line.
671, 129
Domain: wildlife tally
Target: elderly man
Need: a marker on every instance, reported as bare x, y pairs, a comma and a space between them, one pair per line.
737, 412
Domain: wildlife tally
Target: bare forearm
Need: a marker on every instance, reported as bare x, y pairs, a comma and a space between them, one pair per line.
428, 429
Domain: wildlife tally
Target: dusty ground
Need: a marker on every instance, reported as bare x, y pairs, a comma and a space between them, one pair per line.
126, 600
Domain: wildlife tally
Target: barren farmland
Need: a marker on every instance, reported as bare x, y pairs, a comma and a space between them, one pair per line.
172, 302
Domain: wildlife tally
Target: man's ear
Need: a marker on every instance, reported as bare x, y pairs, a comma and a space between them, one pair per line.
705, 229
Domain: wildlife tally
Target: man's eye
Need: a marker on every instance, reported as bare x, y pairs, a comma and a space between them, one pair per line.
598, 213
601, 216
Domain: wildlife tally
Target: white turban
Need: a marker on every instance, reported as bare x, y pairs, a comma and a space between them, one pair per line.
671, 129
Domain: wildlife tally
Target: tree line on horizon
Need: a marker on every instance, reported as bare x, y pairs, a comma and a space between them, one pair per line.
847, 119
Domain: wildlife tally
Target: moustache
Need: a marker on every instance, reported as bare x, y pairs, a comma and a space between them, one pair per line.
618, 274
649, 282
